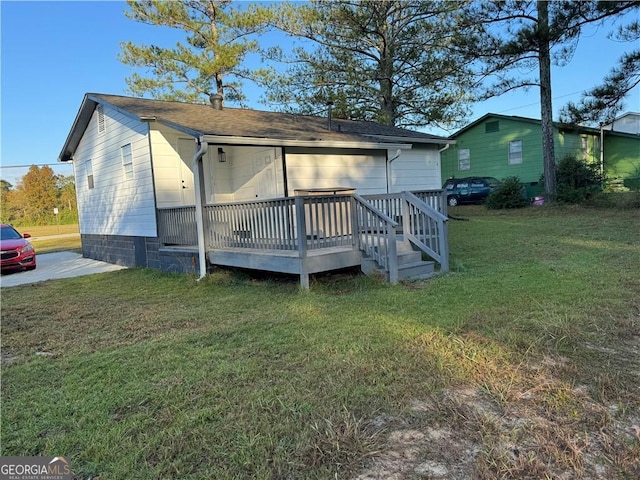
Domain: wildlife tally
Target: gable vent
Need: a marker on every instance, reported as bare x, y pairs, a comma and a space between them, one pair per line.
491, 127
101, 122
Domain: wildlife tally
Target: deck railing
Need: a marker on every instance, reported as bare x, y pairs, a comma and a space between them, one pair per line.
265, 225
391, 203
422, 219
305, 223
426, 228
293, 223
436, 199
377, 236
177, 226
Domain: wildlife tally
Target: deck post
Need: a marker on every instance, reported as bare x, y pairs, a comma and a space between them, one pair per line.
406, 216
392, 254
443, 238
301, 241
355, 224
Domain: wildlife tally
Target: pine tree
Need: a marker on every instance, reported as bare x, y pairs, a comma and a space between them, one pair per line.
508, 37
210, 62
387, 61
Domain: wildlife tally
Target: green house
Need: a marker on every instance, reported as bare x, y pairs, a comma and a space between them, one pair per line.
622, 149
503, 146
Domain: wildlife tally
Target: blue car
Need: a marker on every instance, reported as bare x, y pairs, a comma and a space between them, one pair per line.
469, 189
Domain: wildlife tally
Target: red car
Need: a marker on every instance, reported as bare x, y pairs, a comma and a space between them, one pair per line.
17, 253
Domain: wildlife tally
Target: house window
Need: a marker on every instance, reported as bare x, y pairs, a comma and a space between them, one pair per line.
515, 152
127, 160
464, 159
89, 175
584, 146
491, 127
101, 121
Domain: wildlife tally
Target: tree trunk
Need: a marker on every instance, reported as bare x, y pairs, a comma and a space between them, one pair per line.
546, 111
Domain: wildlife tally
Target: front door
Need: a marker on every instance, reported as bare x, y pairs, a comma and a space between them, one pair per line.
185, 175
264, 172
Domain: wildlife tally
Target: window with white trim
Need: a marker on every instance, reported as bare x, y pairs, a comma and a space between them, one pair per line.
515, 152
127, 160
464, 159
89, 168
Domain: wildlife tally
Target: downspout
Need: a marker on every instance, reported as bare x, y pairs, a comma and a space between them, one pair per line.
389, 160
440, 150
197, 183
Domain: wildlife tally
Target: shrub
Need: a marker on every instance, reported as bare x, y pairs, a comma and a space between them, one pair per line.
576, 180
510, 194
633, 182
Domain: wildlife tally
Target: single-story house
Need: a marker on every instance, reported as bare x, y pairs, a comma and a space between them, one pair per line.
622, 149
179, 186
626, 123
503, 146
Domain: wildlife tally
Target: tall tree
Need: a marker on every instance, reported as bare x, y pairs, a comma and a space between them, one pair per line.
382, 60
5, 200
604, 102
218, 39
65, 184
36, 194
509, 37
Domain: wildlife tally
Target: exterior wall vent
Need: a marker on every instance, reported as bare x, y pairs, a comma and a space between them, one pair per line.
491, 127
101, 120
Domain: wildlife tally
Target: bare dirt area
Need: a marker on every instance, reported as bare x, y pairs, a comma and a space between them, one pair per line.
536, 427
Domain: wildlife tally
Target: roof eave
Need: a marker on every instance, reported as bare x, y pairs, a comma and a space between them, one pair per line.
81, 123
281, 142
423, 140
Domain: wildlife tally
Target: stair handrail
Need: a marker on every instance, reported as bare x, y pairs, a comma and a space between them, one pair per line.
380, 246
437, 227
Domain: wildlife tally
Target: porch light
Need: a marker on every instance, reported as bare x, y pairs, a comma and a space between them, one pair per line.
222, 156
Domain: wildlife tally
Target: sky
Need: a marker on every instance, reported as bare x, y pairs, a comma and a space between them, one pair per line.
53, 52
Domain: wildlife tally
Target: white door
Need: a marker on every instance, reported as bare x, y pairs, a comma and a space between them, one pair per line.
186, 149
264, 173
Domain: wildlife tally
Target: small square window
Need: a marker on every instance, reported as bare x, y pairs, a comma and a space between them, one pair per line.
515, 152
127, 161
464, 159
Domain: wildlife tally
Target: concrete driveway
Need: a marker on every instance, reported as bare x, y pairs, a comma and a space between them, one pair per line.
57, 265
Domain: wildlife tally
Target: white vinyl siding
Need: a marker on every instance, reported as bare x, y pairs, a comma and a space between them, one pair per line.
515, 152
364, 170
113, 206
464, 159
415, 169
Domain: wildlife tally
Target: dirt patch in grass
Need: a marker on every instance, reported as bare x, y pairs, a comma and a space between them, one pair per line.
542, 428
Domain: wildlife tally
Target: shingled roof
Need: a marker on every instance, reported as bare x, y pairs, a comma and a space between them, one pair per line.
201, 120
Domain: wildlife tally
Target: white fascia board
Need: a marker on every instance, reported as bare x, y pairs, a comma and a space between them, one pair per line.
276, 142
436, 141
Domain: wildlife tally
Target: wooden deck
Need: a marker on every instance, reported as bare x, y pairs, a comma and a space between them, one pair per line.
313, 234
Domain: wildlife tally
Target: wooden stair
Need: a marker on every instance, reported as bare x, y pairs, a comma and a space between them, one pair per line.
410, 264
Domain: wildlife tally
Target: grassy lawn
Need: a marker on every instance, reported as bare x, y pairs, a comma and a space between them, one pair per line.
523, 362
42, 244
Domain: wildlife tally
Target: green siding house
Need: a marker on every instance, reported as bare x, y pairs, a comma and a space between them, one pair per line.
622, 149
503, 146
